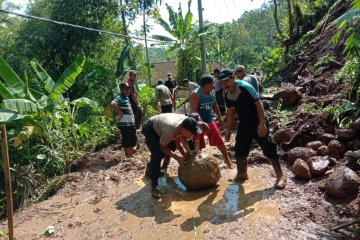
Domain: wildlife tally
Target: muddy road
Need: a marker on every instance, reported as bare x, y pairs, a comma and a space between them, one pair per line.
111, 200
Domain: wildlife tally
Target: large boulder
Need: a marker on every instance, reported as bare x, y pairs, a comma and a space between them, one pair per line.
347, 134
352, 159
323, 151
283, 135
201, 171
299, 152
314, 145
342, 182
336, 148
356, 125
326, 138
289, 96
318, 165
301, 169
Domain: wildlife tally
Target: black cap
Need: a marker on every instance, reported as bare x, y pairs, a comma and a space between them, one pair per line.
225, 74
192, 125
160, 82
124, 85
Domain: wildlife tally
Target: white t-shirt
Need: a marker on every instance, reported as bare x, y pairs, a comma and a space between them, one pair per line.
165, 126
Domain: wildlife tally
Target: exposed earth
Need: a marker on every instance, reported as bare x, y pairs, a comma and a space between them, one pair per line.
110, 199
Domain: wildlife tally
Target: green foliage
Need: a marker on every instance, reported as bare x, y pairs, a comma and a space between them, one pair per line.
146, 98
281, 113
55, 131
51, 188
323, 61
273, 65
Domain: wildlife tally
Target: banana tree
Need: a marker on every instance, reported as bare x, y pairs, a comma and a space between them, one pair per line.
184, 38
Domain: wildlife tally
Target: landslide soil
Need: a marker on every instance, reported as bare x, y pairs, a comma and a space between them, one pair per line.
108, 198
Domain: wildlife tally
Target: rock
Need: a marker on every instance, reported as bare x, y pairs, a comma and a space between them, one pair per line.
342, 182
257, 157
201, 171
300, 152
334, 64
356, 125
352, 159
347, 134
336, 148
305, 73
318, 165
333, 161
353, 145
301, 169
283, 135
326, 138
289, 96
323, 151
314, 145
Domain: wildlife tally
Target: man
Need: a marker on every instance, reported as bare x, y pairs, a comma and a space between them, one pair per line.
163, 95
202, 101
172, 85
219, 92
160, 131
240, 73
135, 105
241, 97
191, 86
125, 119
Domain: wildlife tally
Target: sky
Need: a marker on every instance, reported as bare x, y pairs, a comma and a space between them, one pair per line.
218, 11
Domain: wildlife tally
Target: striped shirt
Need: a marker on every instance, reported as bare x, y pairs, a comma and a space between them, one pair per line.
128, 118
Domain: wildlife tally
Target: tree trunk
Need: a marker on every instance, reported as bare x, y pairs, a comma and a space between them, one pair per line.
276, 18
127, 40
291, 22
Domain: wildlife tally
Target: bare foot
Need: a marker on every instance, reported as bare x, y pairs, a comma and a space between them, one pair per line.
228, 164
280, 182
239, 178
165, 163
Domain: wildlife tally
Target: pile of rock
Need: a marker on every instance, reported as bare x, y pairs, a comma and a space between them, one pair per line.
341, 152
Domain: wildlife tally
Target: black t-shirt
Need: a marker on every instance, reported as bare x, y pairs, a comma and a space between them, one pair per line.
171, 84
243, 100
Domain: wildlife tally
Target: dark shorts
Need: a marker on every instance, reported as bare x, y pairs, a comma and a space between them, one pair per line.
128, 136
167, 108
245, 136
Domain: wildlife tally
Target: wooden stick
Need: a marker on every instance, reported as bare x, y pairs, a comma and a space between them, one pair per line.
342, 225
9, 202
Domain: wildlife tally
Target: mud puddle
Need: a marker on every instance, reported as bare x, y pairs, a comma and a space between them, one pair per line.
192, 214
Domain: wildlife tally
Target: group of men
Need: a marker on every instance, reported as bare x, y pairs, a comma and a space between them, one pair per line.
226, 92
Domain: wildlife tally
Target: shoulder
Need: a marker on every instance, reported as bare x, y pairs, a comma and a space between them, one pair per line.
249, 88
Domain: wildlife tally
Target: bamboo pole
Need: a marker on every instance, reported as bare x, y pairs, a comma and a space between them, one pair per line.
9, 202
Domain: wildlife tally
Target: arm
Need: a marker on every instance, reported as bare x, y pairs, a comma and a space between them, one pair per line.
262, 131
215, 108
229, 122
178, 142
134, 97
157, 100
194, 102
169, 153
116, 109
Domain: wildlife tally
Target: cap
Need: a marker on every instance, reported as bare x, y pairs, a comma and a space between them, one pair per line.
225, 74
169, 74
160, 82
192, 125
124, 85
238, 68
216, 70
